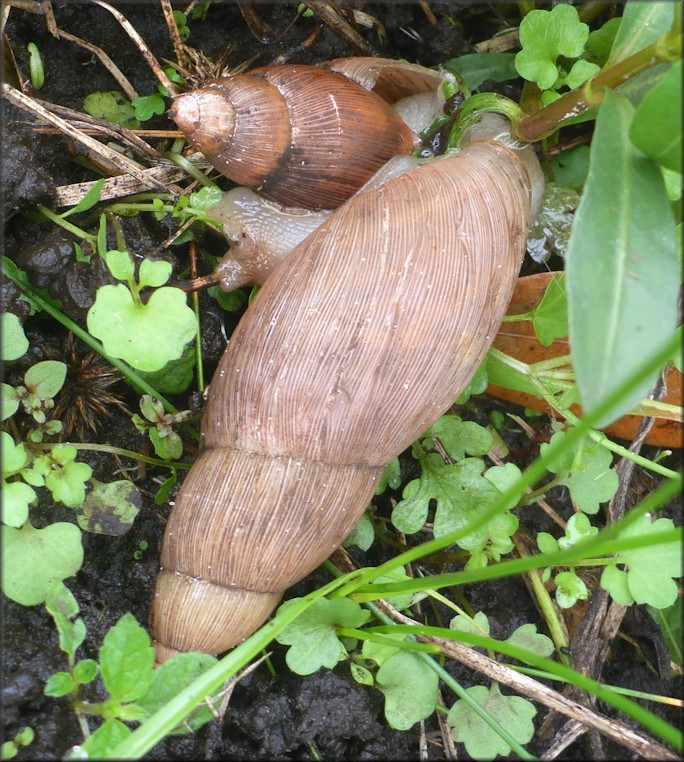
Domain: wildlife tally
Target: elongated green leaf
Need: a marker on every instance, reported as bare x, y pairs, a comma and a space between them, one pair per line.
643, 22
621, 270
657, 126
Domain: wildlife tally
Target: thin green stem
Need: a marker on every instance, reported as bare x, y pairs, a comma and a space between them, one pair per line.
616, 688
115, 451
545, 121
69, 226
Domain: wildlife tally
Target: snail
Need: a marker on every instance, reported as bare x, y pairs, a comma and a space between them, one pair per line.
356, 343
308, 136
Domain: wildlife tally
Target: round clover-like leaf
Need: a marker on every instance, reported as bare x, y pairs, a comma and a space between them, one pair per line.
120, 264
17, 497
33, 558
546, 35
145, 335
154, 273
67, 484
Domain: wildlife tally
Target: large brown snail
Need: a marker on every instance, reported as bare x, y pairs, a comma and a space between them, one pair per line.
354, 346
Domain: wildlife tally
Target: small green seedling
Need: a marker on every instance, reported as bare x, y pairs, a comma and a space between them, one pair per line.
126, 666
513, 713
36, 69
158, 424
10, 749
112, 106
147, 335
461, 490
548, 38
586, 472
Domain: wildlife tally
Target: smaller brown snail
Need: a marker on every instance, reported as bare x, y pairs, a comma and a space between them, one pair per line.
263, 233
307, 136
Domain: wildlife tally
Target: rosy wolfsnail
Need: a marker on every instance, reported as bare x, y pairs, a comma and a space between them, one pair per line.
354, 346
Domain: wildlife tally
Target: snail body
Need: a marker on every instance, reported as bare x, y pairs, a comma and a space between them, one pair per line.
305, 136
352, 349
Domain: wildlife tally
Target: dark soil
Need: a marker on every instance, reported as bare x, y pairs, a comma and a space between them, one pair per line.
270, 717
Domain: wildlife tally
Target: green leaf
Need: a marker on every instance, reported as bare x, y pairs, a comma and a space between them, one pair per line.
460, 437
205, 199
63, 608
600, 42
14, 456
67, 484
614, 580
410, 689
147, 336
621, 267
475, 68
477, 385
85, 671
547, 542
579, 74
230, 302
643, 22
16, 499
570, 171
391, 477
513, 713
10, 401
479, 625
657, 126
362, 535
168, 446
127, 660
312, 636
14, 342
527, 637
87, 202
546, 35
578, 528
154, 273
176, 376
650, 570
45, 378
110, 508
669, 621
550, 318
120, 264
592, 481
60, 684
112, 106
586, 471
35, 66
170, 679
32, 558
361, 675
461, 494
105, 739
147, 106
569, 589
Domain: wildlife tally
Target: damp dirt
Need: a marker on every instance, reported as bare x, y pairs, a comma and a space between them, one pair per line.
273, 714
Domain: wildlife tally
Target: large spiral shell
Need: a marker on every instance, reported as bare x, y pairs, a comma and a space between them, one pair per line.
352, 349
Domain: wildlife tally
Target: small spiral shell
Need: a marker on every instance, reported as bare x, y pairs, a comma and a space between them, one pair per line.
299, 135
